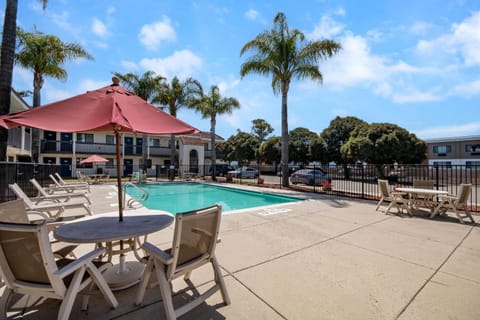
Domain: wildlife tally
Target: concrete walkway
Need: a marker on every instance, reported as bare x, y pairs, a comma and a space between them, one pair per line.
323, 258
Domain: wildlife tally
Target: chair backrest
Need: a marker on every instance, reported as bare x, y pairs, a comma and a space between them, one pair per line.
383, 187
26, 258
60, 179
464, 193
22, 195
54, 180
39, 187
13, 211
423, 184
194, 239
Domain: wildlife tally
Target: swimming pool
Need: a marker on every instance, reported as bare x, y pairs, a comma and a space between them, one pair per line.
185, 196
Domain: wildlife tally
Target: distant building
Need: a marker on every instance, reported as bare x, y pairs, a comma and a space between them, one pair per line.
19, 142
454, 151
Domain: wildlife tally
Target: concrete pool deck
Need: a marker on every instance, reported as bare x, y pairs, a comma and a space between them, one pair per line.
324, 258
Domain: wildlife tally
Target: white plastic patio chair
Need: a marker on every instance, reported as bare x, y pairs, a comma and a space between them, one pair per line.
456, 203
194, 241
69, 187
29, 268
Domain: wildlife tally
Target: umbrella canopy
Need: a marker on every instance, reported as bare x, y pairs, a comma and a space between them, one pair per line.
94, 159
111, 108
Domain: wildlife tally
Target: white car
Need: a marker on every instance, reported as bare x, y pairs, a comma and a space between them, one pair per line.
244, 173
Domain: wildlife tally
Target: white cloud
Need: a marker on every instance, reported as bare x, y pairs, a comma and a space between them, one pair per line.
416, 96
464, 40
151, 35
130, 66
99, 28
182, 64
340, 12
467, 89
252, 14
420, 28
449, 131
326, 28
354, 65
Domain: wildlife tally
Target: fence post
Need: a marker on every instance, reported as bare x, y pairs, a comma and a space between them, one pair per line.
436, 175
363, 181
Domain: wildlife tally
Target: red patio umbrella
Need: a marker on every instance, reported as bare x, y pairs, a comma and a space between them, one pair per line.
112, 108
93, 159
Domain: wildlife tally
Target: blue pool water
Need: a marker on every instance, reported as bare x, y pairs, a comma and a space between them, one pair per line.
185, 196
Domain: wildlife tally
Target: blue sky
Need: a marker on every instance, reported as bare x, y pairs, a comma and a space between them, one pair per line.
409, 62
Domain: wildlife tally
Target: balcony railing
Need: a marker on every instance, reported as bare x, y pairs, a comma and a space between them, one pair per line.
53, 146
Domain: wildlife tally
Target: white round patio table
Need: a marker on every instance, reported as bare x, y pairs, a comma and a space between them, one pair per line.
107, 228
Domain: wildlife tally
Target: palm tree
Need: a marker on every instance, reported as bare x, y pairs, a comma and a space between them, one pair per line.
45, 55
176, 95
210, 106
6, 68
146, 87
285, 55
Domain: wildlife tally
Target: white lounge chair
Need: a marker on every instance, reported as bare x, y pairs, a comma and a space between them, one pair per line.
194, 241
69, 187
29, 268
63, 197
54, 210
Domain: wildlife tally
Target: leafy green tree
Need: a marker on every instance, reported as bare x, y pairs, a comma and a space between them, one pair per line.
45, 56
318, 150
7, 55
147, 87
240, 147
175, 95
210, 105
382, 143
300, 144
286, 55
338, 133
261, 129
271, 150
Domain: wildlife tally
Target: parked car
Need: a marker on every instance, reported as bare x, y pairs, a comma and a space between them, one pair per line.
311, 177
244, 173
221, 169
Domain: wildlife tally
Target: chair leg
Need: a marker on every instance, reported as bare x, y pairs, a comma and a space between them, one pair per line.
165, 292
220, 280
144, 282
4, 301
102, 285
379, 203
69, 299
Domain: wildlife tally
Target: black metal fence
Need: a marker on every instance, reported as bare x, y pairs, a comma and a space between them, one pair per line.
355, 181
21, 173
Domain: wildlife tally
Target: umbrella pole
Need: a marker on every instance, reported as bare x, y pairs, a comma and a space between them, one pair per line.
119, 177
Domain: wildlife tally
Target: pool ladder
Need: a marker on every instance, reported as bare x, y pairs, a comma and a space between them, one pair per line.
131, 202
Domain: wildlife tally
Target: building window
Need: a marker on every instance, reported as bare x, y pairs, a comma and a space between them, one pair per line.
472, 148
442, 149
154, 142
85, 137
109, 139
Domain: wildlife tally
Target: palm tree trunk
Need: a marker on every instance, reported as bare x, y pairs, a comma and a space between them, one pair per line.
6, 68
212, 142
37, 86
284, 140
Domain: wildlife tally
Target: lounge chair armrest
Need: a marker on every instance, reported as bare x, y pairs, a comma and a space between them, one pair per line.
161, 255
80, 262
448, 197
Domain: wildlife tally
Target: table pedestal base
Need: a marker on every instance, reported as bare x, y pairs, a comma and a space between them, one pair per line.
118, 280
